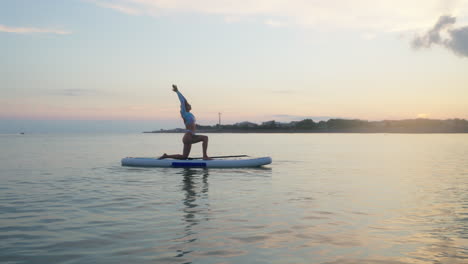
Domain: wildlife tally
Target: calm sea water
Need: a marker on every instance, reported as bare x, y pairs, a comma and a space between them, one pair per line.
326, 198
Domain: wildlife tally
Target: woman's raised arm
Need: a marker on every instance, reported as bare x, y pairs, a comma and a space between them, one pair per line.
181, 98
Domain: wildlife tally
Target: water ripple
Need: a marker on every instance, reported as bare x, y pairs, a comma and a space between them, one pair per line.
325, 199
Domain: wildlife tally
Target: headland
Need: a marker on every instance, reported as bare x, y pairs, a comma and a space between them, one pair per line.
419, 125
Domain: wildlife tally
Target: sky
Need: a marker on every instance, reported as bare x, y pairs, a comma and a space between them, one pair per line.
250, 60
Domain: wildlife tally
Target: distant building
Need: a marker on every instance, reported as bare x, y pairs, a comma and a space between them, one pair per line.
322, 125
245, 124
269, 123
285, 125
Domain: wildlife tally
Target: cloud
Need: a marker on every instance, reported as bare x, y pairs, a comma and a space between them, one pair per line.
377, 15
120, 7
289, 118
74, 92
433, 36
29, 30
459, 41
275, 23
444, 33
284, 91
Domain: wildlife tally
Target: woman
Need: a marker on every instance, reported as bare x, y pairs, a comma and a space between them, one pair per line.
190, 137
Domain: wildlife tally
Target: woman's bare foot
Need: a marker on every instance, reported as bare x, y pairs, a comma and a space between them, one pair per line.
207, 158
163, 156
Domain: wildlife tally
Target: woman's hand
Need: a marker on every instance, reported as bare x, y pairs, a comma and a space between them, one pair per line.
174, 88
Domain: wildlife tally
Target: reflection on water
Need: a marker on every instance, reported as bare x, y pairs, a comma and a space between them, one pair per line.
193, 212
386, 199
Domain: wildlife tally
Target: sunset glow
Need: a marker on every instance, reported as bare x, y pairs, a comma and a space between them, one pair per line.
249, 60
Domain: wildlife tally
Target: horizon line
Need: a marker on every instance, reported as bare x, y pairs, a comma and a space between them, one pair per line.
155, 120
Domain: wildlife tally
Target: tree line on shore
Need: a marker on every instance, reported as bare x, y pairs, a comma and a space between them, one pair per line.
419, 125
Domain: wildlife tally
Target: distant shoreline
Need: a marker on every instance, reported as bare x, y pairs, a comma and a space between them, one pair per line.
409, 126
301, 132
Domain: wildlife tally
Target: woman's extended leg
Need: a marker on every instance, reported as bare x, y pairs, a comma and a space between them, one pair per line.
185, 154
187, 140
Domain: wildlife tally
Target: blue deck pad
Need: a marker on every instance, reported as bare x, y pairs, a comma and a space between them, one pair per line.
189, 164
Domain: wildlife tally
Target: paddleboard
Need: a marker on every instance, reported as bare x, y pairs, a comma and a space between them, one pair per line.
215, 163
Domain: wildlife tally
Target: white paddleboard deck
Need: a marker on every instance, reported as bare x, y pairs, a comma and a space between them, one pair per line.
215, 163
